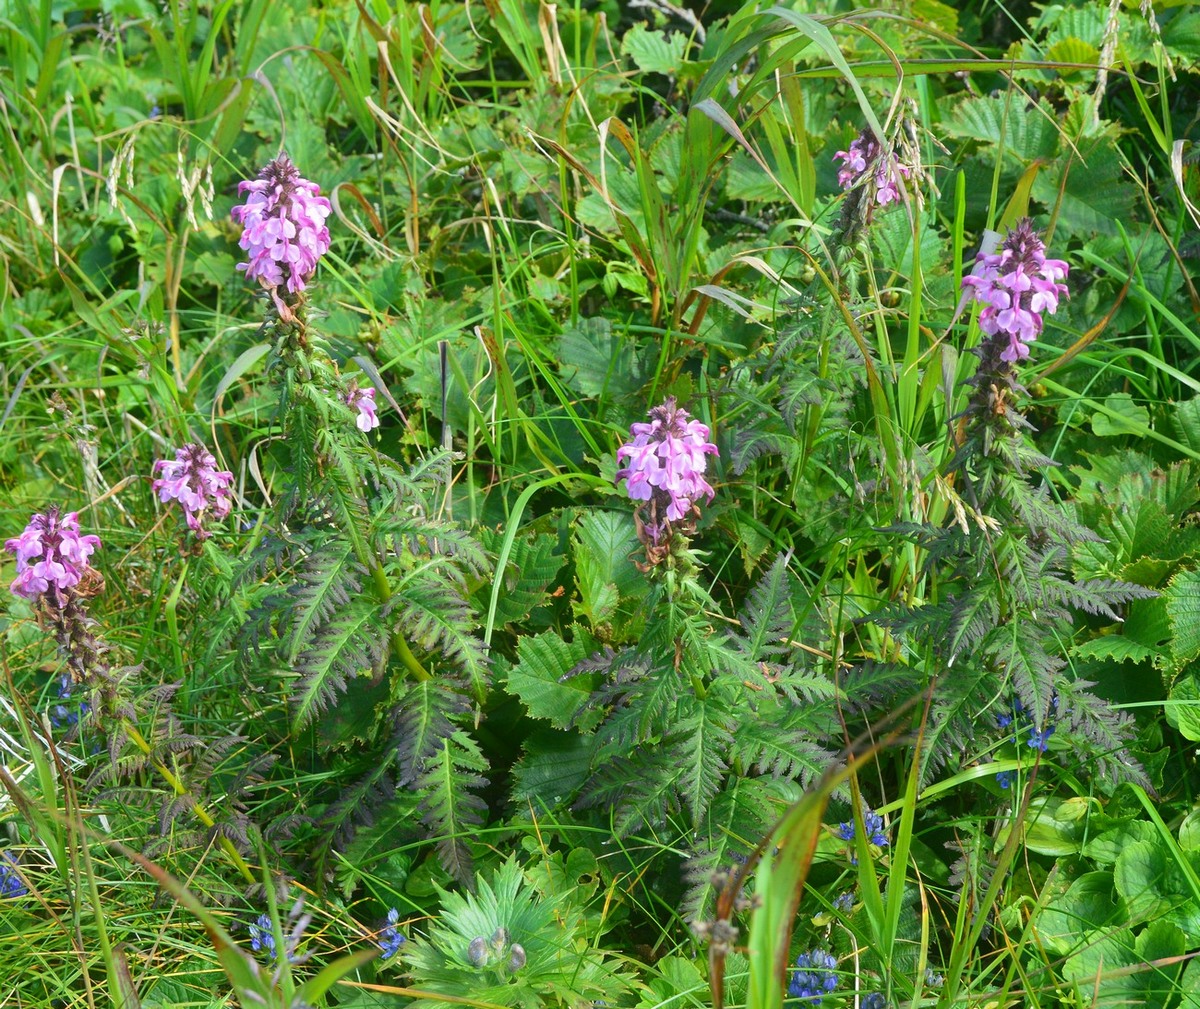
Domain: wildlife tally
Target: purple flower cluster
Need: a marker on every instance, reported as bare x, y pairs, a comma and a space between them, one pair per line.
815, 977
666, 463
192, 479
1016, 285
866, 158
362, 400
51, 555
285, 233
391, 939
10, 880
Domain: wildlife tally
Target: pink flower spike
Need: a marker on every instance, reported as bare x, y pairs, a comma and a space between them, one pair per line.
666, 463
866, 158
1016, 286
51, 556
284, 231
192, 479
362, 400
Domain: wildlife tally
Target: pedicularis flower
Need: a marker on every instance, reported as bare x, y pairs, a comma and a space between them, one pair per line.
666, 466
1016, 285
51, 555
866, 156
362, 400
10, 881
193, 480
285, 233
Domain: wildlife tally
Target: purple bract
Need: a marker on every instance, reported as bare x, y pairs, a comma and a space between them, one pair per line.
192, 479
285, 233
666, 465
1016, 285
51, 555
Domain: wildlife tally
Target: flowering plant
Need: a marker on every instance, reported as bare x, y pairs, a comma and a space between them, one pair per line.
284, 229
1016, 285
867, 159
51, 555
192, 479
665, 469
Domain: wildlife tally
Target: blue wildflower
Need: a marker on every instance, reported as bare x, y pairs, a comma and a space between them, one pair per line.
815, 977
873, 823
933, 980
64, 715
10, 881
875, 1000
390, 939
1004, 779
1039, 739
844, 902
262, 937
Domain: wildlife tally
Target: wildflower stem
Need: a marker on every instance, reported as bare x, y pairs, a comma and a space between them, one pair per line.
201, 813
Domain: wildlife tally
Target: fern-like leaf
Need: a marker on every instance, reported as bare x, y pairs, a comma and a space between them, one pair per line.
450, 807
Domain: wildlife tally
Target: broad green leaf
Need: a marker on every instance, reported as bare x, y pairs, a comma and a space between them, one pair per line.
1183, 608
538, 678
655, 51
1090, 903
611, 587
1026, 132
1122, 416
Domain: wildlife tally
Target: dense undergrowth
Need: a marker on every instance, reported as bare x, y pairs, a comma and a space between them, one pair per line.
672, 509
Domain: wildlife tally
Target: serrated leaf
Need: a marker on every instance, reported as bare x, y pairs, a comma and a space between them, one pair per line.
655, 51
1114, 648
704, 729
611, 588
1096, 194
537, 678
1183, 609
1026, 133
596, 361
1185, 421
532, 567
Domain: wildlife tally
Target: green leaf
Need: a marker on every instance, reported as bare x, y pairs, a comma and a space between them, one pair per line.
1121, 417
1183, 707
611, 587
654, 51
537, 678
532, 567
704, 728
1185, 420
1183, 609
1114, 648
597, 362
1068, 922
555, 766
1027, 133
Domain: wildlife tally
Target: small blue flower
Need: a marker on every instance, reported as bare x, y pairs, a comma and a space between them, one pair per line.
933, 980
815, 977
873, 823
262, 937
390, 940
10, 881
1004, 779
844, 902
1039, 739
875, 1000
